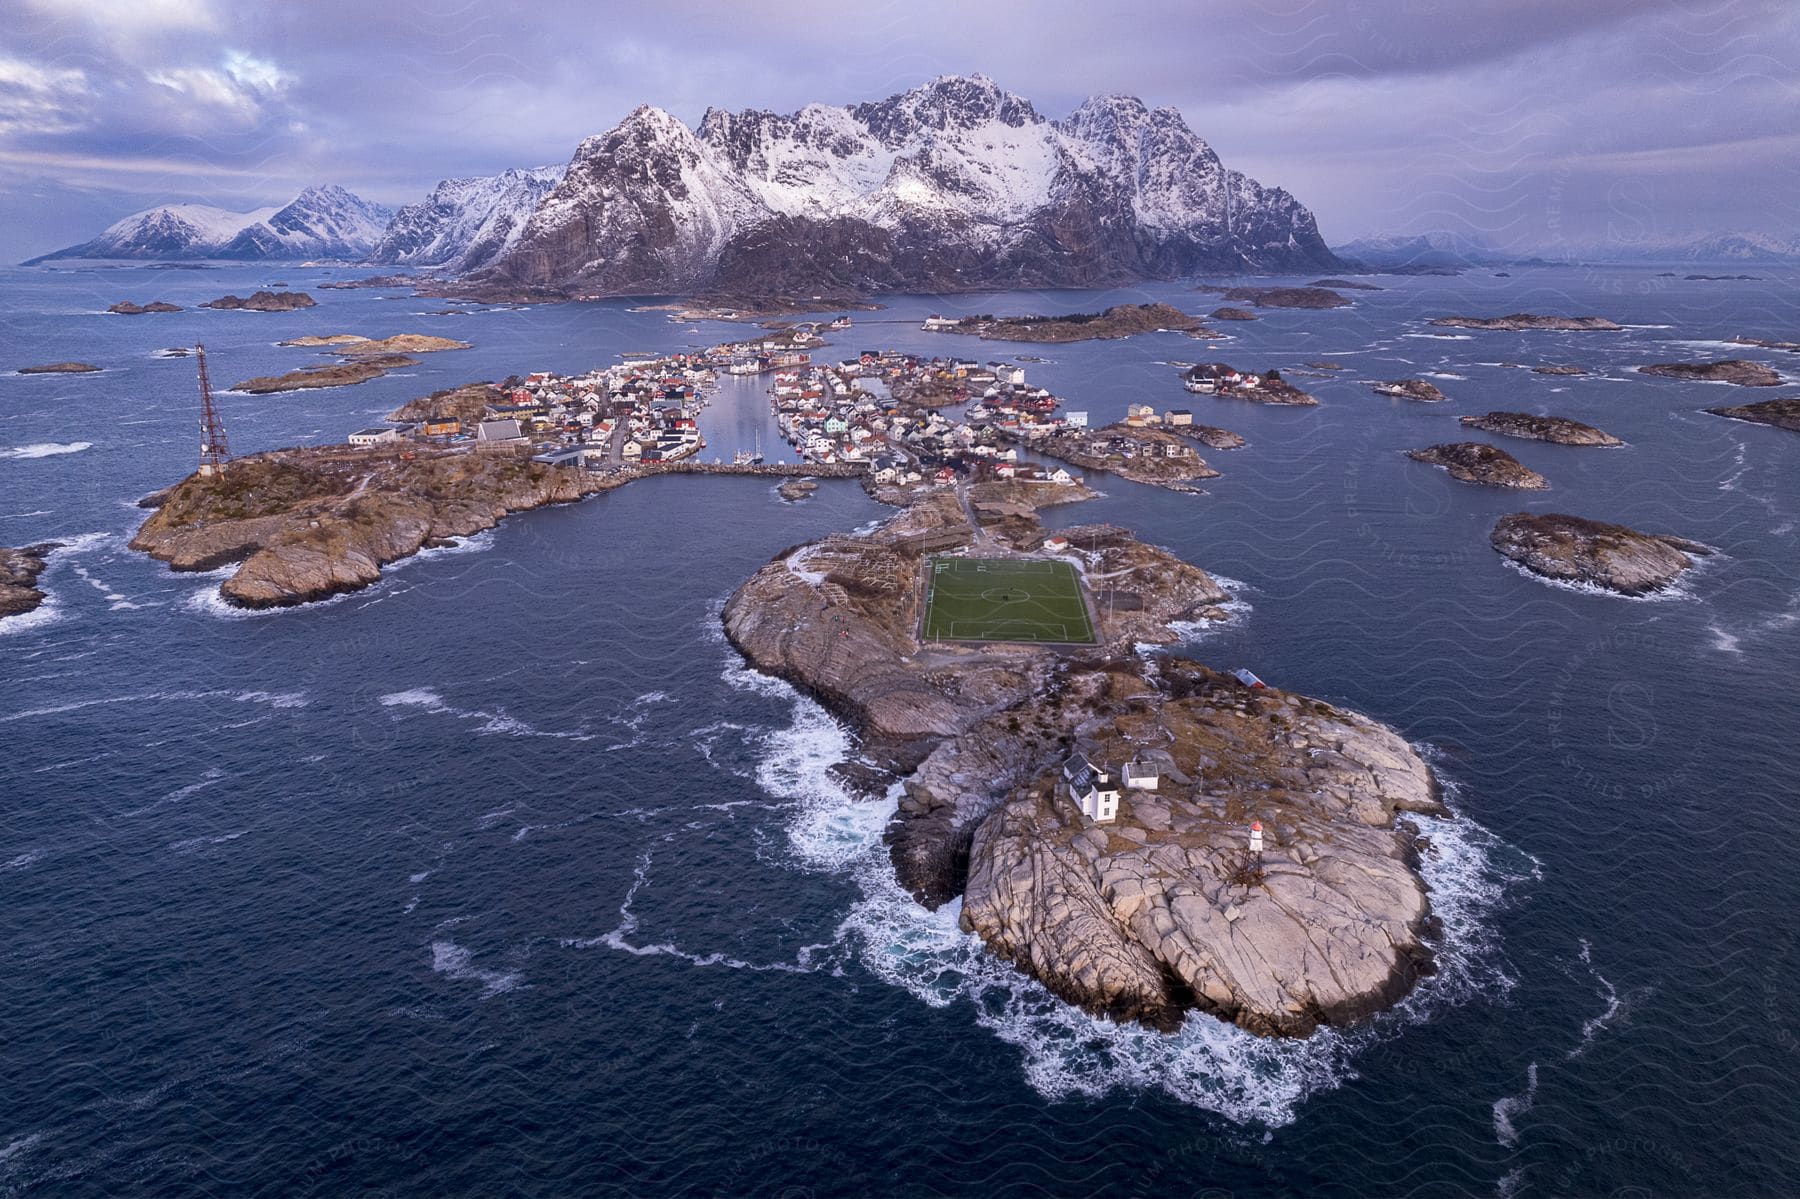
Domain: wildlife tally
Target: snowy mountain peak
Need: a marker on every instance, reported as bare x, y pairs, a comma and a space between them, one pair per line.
321, 222
465, 223
956, 183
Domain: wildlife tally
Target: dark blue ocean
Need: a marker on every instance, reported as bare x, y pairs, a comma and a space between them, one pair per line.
506, 876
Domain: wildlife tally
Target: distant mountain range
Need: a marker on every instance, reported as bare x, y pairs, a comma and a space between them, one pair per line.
321, 222
950, 186
1453, 251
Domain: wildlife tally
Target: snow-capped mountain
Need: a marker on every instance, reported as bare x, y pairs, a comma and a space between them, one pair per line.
955, 184
465, 223
321, 222
1714, 247
1424, 251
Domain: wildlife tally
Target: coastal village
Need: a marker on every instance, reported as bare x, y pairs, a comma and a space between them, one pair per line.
902, 419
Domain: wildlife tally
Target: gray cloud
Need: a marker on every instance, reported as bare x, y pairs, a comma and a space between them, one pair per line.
1532, 121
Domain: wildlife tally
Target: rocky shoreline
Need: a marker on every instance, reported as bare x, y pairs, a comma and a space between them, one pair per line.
1479, 462
1155, 457
1121, 320
60, 368
1574, 549
1519, 321
19, 571
364, 358
1422, 390
1164, 910
1779, 414
1726, 370
264, 301
1532, 427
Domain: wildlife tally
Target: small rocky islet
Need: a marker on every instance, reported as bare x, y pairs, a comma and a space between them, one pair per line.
264, 301
1533, 427
19, 571
60, 368
1738, 371
1575, 549
364, 358
129, 308
1522, 321
1779, 414
1479, 462
1121, 320
1283, 297
1422, 390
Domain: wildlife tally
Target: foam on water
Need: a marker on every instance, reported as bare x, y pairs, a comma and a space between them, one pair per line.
1509, 1107
453, 961
46, 449
1065, 1052
497, 721
1680, 589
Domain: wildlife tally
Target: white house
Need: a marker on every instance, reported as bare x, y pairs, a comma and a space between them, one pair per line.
374, 436
1076, 420
1179, 416
1092, 789
938, 324
1139, 777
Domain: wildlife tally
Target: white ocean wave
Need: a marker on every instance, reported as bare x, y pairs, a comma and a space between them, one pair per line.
46, 449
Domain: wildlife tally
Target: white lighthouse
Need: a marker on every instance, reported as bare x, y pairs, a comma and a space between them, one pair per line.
1256, 836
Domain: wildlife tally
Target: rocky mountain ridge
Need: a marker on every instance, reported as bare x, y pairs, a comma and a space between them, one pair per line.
321, 222
953, 185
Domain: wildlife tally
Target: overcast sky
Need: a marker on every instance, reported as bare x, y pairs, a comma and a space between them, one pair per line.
1535, 123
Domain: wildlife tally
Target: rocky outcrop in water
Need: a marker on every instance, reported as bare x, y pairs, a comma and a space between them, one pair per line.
1573, 549
1122, 320
307, 524
1478, 462
1725, 370
60, 368
264, 301
19, 571
1285, 297
1530, 320
1532, 427
1411, 389
1780, 414
127, 308
1234, 314
1157, 457
1211, 436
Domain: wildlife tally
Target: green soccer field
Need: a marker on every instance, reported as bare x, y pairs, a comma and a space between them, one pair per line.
1004, 599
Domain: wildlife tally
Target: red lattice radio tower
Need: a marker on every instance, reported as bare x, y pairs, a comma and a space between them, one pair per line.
213, 450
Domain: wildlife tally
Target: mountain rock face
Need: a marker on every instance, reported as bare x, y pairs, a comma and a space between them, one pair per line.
464, 224
953, 185
321, 222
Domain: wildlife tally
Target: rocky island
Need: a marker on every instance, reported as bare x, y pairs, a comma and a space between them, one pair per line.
1220, 379
1162, 908
60, 368
1158, 457
1234, 314
1284, 297
1573, 549
1530, 320
1558, 369
306, 524
1479, 462
1726, 370
1410, 389
19, 571
127, 308
1345, 285
1122, 320
1781, 414
264, 301
364, 359
1530, 426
